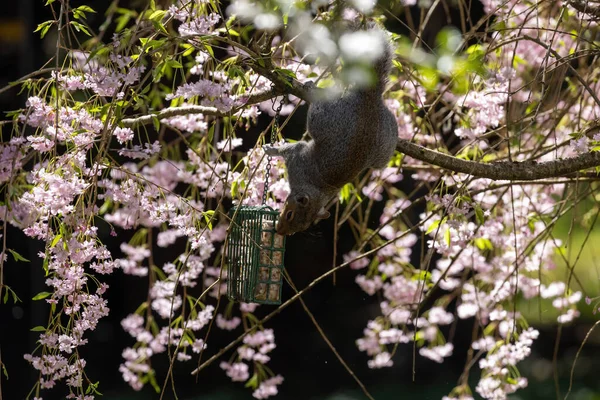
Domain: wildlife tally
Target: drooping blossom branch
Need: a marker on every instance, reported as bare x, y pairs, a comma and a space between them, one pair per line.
169, 112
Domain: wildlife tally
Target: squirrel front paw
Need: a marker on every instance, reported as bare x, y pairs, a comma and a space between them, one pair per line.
270, 150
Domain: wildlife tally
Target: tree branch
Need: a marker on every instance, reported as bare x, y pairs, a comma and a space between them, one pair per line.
585, 7
505, 170
169, 112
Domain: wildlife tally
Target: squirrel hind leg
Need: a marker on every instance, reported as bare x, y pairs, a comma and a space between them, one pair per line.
270, 150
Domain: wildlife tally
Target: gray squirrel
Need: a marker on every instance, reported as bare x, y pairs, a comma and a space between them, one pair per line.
349, 134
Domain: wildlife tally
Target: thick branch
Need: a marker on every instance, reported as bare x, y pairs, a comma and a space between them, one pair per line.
585, 7
506, 170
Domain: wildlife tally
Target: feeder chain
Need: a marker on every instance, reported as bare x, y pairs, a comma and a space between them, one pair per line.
274, 129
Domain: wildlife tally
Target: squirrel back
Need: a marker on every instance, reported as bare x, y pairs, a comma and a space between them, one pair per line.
350, 134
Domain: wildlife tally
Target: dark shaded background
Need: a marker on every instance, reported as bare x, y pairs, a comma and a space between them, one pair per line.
310, 369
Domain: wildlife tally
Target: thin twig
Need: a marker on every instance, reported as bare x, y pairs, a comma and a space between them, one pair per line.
326, 339
577, 357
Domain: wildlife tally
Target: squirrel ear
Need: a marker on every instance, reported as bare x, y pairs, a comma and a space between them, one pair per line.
323, 214
302, 200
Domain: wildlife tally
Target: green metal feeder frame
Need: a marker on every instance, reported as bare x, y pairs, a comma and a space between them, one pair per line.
255, 256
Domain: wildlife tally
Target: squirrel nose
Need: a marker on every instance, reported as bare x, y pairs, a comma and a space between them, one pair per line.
280, 229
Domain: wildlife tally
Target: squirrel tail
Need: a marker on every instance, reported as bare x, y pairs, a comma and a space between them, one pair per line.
383, 64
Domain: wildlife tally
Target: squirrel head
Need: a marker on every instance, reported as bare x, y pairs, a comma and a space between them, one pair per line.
299, 212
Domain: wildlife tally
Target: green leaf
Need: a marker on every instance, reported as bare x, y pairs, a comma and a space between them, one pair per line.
433, 226
4, 371
208, 216
78, 14
17, 256
234, 189
38, 329
158, 71
484, 244
189, 49
43, 24
479, 215
429, 77
447, 237
157, 15
346, 192
449, 39
55, 240
86, 9
93, 388
79, 27
14, 295
153, 382
174, 64
286, 72
252, 382
156, 122
105, 207
211, 133
41, 295
45, 265
44, 27
422, 276
5, 299
122, 22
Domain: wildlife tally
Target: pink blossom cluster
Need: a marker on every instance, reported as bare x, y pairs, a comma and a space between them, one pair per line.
194, 17
255, 351
66, 260
71, 127
498, 376
11, 158
210, 93
187, 123
137, 366
112, 80
485, 107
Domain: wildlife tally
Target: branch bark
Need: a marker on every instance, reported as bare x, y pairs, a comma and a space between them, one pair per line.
585, 7
505, 170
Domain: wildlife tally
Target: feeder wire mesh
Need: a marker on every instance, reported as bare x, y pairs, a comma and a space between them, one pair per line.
255, 255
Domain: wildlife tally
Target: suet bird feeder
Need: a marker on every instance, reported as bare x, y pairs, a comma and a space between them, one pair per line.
255, 254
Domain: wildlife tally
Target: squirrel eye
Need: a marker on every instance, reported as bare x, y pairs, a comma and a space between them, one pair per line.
289, 215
